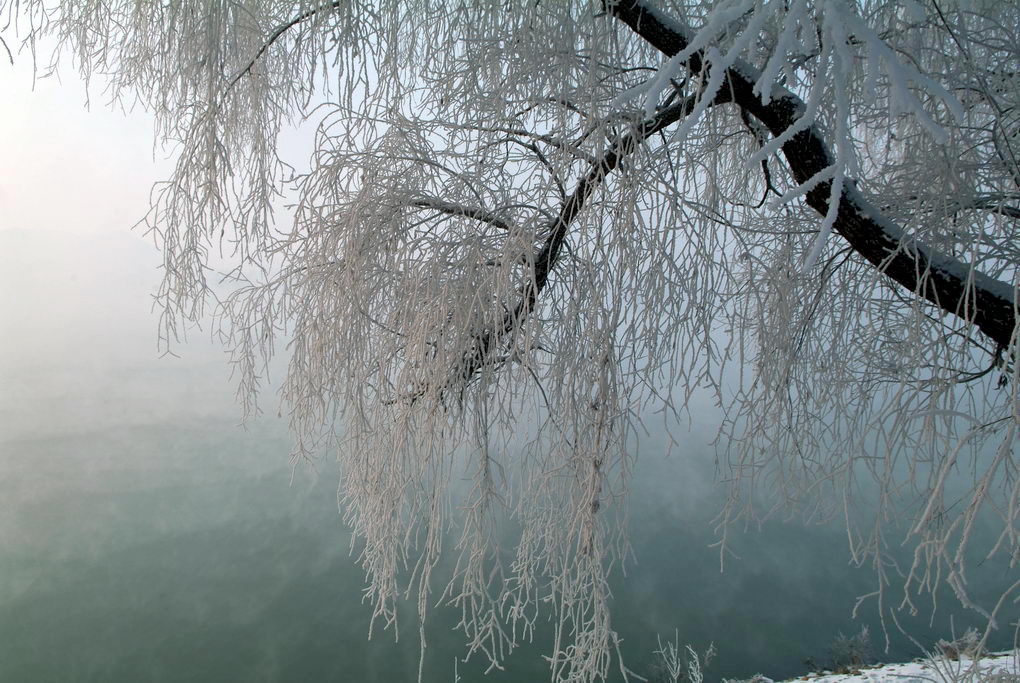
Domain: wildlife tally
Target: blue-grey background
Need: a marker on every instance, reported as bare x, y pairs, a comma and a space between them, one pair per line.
145, 535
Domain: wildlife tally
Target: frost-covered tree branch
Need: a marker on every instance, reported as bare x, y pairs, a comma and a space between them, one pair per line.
526, 226
544, 261
947, 282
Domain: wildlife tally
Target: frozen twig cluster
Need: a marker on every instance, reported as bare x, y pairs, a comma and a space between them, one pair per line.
527, 225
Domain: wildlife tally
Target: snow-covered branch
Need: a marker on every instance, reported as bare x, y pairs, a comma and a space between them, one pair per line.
945, 281
485, 344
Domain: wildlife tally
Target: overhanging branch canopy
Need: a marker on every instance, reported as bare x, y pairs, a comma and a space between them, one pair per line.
947, 282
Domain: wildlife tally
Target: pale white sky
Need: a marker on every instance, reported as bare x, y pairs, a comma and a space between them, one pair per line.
76, 282
66, 168
69, 168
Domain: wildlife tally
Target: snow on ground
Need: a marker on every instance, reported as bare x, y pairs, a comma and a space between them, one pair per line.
1001, 667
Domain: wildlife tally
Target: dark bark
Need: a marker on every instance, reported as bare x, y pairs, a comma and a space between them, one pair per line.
944, 281
485, 345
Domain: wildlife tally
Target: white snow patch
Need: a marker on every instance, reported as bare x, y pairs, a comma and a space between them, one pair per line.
939, 670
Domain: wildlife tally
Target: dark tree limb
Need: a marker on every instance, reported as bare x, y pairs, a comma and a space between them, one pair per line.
277, 32
950, 284
452, 209
485, 344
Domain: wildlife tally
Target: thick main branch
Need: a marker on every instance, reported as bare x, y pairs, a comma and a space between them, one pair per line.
484, 345
949, 283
